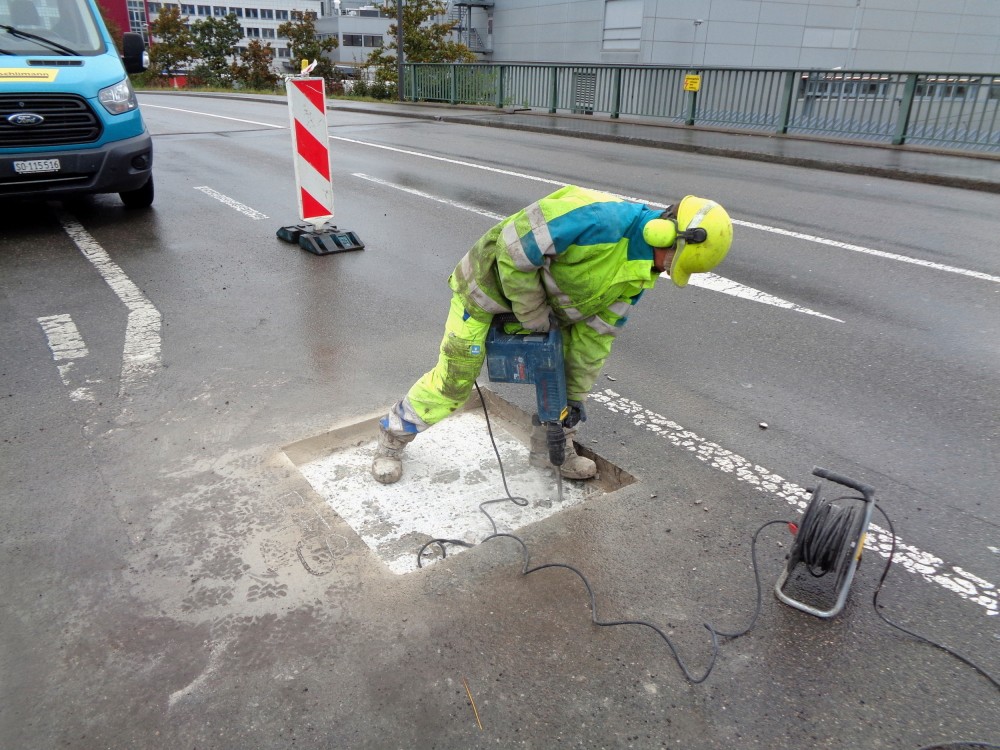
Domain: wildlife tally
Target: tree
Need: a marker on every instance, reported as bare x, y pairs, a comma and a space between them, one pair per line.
424, 41
305, 45
254, 69
113, 28
215, 41
171, 42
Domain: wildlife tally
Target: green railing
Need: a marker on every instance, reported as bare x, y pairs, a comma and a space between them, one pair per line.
945, 110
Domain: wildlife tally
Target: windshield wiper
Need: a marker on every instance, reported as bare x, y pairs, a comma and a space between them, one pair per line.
40, 39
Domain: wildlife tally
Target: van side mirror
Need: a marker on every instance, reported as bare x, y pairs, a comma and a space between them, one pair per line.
132, 52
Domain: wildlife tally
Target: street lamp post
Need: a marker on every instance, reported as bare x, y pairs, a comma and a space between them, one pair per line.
697, 22
399, 50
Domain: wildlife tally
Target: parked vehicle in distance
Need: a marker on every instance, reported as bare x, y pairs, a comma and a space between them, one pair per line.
69, 119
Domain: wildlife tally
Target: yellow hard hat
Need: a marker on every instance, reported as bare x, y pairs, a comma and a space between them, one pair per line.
700, 251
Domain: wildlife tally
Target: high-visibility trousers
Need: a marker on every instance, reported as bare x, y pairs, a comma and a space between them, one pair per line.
444, 389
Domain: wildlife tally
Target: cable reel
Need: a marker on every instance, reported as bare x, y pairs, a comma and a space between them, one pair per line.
829, 540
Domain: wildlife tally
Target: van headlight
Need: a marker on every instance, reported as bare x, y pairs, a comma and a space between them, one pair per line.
118, 99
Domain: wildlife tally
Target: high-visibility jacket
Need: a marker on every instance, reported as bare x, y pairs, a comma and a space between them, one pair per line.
576, 253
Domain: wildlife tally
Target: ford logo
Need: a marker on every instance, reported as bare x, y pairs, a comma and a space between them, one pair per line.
25, 118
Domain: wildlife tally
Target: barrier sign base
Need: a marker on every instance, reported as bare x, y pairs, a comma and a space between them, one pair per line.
324, 241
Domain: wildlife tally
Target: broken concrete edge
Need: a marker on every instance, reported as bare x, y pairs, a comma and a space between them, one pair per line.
609, 476
514, 419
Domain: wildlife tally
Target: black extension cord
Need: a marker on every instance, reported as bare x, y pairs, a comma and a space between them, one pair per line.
823, 538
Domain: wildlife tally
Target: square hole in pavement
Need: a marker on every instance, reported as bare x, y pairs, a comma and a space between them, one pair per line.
447, 472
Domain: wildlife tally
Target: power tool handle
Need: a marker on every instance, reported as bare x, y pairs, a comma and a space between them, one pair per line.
865, 489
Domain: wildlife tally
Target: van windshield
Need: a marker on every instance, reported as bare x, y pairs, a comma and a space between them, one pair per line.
48, 27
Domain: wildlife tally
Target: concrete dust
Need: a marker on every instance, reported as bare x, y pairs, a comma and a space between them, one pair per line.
447, 472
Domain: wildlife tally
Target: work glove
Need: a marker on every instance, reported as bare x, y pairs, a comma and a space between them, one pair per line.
576, 414
542, 323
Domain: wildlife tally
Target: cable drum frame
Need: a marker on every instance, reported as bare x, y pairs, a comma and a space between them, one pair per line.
847, 555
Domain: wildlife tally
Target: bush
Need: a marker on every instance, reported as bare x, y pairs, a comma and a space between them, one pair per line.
360, 88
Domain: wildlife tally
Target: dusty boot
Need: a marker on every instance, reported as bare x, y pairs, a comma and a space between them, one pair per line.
388, 464
539, 448
576, 466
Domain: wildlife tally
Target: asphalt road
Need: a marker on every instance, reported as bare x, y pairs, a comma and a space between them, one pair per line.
172, 581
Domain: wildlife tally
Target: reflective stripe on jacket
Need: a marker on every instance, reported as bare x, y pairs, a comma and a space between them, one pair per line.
576, 253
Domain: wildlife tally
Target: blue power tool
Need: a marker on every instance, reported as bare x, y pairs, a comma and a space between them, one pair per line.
532, 358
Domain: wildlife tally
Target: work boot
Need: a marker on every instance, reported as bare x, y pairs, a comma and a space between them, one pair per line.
387, 467
576, 466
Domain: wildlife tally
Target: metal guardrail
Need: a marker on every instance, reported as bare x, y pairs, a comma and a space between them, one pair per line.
944, 110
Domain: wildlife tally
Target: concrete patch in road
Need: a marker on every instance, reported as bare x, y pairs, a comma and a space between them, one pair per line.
448, 471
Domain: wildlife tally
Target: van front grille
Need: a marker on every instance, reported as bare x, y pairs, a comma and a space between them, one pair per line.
66, 120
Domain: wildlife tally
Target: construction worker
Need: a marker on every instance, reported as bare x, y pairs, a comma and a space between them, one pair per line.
578, 259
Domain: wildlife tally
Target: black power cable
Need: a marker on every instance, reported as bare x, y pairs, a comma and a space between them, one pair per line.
526, 569
822, 543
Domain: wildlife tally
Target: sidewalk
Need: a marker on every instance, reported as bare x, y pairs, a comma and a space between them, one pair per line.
968, 170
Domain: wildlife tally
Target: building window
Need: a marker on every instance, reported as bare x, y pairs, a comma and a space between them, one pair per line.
187, 10
266, 13
282, 15
356, 40
252, 33
946, 87
284, 52
622, 24
204, 10
155, 8
238, 12
267, 33
251, 13
219, 12
371, 40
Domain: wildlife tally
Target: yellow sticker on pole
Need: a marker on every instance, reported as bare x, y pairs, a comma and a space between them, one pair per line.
692, 82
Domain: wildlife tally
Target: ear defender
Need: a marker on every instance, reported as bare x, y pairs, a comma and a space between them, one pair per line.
660, 232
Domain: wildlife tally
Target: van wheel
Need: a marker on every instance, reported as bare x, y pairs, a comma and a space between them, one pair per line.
140, 197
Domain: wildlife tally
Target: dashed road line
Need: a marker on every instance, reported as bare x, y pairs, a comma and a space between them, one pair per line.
232, 203
928, 566
735, 289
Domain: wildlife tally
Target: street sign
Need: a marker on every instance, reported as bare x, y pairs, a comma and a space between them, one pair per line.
692, 82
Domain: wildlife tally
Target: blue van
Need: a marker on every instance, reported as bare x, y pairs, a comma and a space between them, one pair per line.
69, 120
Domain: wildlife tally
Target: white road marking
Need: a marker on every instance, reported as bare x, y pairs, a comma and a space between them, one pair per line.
652, 204
141, 354
66, 345
655, 204
232, 203
218, 117
871, 251
928, 566
428, 196
710, 280
727, 286
446, 160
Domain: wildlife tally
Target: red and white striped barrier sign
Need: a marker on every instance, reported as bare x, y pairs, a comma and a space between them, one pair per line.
307, 112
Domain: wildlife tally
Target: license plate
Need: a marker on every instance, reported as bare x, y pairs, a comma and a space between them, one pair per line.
37, 165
